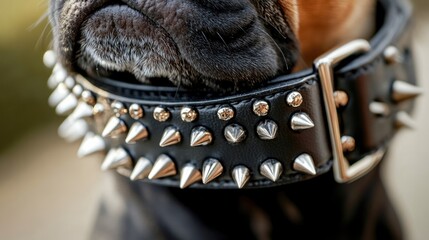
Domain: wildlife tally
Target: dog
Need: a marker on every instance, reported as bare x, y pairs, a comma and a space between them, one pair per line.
223, 46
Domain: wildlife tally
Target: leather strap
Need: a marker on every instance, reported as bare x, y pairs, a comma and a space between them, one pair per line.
365, 79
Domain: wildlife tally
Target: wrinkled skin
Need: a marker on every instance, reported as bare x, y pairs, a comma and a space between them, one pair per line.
192, 43
223, 45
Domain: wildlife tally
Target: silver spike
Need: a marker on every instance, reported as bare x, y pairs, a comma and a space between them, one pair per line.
241, 175
403, 119
67, 104
200, 136
212, 169
301, 121
170, 137
75, 131
114, 127
234, 133
91, 143
117, 158
189, 175
379, 108
267, 130
304, 163
58, 76
137, 132
83, 110
163, 167
271, 169
142, 169
60, 92
402, 91
49, 58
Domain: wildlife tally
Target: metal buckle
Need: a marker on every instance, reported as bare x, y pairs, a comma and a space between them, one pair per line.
343, 172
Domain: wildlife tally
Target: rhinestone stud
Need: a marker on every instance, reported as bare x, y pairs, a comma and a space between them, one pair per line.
348, 143
294, 99
261, 108
135, 111
188, 114
118, 108
225, 113
161, 114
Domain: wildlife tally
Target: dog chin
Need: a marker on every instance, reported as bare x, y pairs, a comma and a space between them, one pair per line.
188, 44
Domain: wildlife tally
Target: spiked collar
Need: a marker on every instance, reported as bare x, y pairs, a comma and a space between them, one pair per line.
340, 114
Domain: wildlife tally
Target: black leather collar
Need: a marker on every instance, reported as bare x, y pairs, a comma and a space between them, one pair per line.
273, 135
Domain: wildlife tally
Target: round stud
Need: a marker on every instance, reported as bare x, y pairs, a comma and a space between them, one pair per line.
49, 58
70, 82
98, 109
234, 133
77, 90
135, 111
341, 98
294, 99
225, 113
161, 114
188, 114
348, 143
392, 55
88, 97
118, 108
261, 108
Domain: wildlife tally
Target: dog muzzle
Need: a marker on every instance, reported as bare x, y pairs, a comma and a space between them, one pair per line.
339, 115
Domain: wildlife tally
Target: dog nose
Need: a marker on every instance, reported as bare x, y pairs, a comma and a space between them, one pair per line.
187, 42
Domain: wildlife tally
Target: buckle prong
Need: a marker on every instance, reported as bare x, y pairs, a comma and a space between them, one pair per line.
343, 171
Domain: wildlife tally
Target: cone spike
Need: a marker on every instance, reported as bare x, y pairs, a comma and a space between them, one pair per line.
267, 130
241, 175
189, 175
200, 136
75, 131
212, 169
114, 127
142, 169
59, 94
403, 119
83, 110
137, 132
301, 121
304, 163
402, 91
116, 158
91, 143
163, 167
171, 136
67, 104
271, 169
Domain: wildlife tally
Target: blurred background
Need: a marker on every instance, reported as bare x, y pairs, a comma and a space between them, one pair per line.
47, 193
